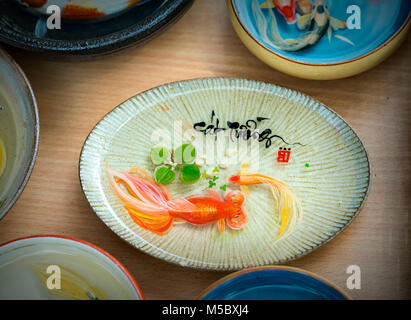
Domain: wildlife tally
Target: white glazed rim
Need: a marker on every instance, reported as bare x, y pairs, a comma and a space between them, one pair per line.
84, 244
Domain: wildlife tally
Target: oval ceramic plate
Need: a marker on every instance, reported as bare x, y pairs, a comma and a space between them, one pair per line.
325, 39
304, 144
273, 283
24, 29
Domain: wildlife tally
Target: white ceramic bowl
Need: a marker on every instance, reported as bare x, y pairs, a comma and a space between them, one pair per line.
19, 129
57, 267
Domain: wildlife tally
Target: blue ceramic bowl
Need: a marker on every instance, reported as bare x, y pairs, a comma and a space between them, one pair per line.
379, 22
328, 39
273, 283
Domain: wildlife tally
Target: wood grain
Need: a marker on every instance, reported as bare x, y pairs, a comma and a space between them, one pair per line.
73, 96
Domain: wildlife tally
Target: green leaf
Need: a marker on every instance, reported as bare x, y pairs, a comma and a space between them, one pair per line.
190, 173
159, 155
164, 175
211, 184
185, 154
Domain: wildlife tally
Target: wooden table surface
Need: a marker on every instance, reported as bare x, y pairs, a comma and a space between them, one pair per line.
73, 96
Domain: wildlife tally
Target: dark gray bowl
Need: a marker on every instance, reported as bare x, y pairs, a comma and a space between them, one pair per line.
26, 30
19, 127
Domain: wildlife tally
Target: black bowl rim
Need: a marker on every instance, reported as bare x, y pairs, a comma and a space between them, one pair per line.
142, 31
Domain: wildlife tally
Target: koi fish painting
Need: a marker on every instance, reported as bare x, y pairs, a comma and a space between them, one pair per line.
320, 39
314, 21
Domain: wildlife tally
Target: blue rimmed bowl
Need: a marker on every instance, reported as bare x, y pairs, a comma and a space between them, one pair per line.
355, 36
273, 283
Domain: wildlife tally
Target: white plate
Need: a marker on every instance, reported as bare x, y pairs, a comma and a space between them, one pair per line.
328, 170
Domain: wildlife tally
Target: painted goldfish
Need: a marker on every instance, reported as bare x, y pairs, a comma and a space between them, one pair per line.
288, 205
150, 206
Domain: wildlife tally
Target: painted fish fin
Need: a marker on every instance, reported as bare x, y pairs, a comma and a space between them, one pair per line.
237, 222
344, 39
211, 194
221, 225
181, 204
304, 7
157, 225
284, 221
303, 21
268, 4
314, 38
337, 24
245, 190
291, 41
244, 170
179, 221
214, 195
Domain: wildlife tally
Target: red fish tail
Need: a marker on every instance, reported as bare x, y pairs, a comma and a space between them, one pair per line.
145, 201
160, 226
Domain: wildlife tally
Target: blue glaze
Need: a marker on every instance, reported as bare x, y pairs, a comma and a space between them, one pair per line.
379, 22
273, 285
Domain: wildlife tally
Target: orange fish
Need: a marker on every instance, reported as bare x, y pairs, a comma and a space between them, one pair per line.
285, 7
287, 203
150, 206
72, 11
